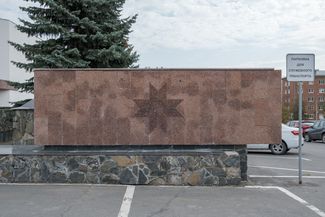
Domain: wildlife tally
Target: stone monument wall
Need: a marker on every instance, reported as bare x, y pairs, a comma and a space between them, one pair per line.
143, 126
157, 107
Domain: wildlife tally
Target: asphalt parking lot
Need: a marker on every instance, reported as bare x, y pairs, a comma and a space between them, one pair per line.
269, 170
273, 190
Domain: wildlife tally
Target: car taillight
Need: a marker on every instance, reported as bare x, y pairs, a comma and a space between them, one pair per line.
295, 132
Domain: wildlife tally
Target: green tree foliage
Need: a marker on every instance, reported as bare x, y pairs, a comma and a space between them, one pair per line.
75, 34
285, 114
295, 109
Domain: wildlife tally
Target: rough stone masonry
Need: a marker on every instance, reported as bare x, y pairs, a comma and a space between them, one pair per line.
215, 166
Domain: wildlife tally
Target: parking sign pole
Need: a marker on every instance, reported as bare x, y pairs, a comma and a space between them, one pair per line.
300, 67
300, 131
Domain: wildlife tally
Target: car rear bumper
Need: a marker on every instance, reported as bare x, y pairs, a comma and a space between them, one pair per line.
293, 142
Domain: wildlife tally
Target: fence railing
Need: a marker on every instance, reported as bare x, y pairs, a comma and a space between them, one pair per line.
6, 136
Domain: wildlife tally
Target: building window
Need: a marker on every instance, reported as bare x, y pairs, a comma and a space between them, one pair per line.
287, 83
310, 90
310, 99
321, 81
310, 116
310, 108
321, 90
320, 107
321, 99
288, 91
311, 83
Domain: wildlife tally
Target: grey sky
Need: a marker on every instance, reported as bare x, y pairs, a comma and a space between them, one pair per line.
223, 33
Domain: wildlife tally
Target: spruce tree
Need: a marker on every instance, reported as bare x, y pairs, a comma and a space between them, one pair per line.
75, 34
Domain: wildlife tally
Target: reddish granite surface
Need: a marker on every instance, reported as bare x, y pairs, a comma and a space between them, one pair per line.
5, 86
167, 106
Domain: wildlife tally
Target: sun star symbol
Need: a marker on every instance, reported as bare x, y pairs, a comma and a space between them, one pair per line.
158, 108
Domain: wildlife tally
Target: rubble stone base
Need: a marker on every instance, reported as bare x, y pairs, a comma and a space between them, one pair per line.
219, 166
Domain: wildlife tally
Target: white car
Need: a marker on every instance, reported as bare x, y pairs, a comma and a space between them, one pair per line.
290, 139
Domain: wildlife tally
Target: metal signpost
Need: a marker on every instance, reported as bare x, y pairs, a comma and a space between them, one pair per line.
300, 67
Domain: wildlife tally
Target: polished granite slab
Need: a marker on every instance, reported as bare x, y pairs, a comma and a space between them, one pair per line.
163, 106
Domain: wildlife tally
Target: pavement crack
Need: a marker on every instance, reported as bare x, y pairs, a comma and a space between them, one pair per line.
75, 202
167, 204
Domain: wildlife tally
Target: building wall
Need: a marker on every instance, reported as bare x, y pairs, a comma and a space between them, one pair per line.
4, 98
313, 98
9, 71
4, 50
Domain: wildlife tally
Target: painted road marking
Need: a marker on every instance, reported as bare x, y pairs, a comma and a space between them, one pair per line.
293, 196
289, 158
127, 200
288, 169
308, 177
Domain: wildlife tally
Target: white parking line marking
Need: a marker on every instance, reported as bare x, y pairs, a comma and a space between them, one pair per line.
289, 158
293, 196
288, 169
294, 158
127, 200
308, 177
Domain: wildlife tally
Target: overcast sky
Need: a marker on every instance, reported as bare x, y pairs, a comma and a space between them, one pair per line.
219, 33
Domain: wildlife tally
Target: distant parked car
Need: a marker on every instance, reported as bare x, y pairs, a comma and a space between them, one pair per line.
306, 124
290, 139
316, 132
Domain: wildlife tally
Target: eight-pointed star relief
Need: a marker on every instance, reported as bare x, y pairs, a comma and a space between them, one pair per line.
158, 108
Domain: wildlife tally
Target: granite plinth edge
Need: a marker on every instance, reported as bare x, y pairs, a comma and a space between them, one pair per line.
116, 150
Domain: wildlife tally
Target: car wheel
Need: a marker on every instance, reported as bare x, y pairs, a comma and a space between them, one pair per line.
279, 149
307, 138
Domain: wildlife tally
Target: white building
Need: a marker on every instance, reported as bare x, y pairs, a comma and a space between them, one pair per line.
8, 71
